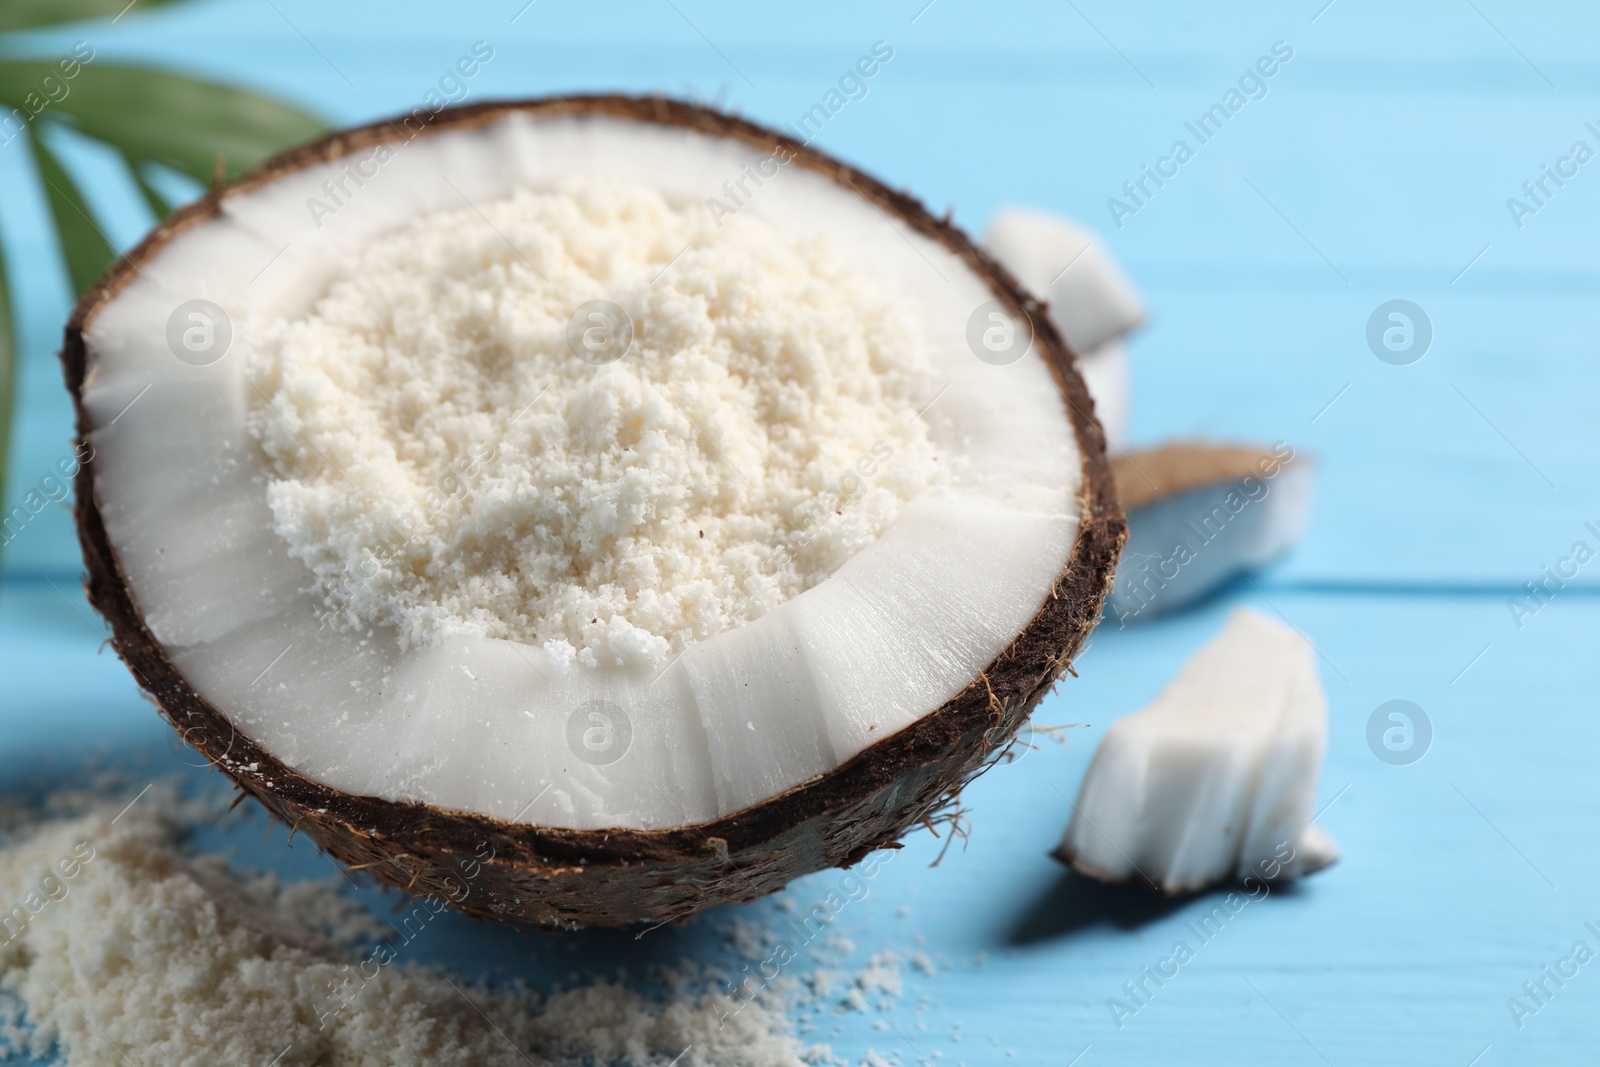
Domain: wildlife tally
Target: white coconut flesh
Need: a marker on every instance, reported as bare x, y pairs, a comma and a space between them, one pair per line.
706, 725
1090, 298
1216, 779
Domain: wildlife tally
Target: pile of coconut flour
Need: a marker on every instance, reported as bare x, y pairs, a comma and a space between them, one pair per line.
121, 947
447, 465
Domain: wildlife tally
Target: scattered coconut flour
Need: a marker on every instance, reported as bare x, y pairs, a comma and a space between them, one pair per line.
446, 465
119, 945
881, 974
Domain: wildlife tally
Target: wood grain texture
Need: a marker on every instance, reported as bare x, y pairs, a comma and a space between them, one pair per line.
1389, 146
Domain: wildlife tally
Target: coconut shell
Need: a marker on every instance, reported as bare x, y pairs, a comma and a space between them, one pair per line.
544, 876
1179, 466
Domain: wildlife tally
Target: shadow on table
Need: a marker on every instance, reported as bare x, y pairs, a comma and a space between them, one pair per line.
1074, 903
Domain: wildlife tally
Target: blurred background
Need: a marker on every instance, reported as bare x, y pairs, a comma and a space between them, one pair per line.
1386, 160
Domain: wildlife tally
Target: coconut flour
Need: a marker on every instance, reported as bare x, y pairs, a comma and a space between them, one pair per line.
459, 447
120, 947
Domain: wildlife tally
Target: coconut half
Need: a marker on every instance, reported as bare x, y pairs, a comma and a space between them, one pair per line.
506, 775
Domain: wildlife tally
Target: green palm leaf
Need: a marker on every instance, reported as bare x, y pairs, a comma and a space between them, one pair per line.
30, 14
170, 118
84, 247
152, 197
147, 115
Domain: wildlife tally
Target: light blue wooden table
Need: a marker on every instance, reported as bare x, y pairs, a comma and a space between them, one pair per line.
1377, 166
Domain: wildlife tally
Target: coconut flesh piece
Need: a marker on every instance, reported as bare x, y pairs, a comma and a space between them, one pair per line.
1201, 514
753, 736
1216, 779
1091, 300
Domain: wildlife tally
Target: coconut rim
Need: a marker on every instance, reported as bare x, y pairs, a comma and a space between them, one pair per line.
1020, 674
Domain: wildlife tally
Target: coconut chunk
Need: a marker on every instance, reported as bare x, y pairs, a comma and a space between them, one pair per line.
1200, 514
1105, 372
1216, 779
1091, 299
